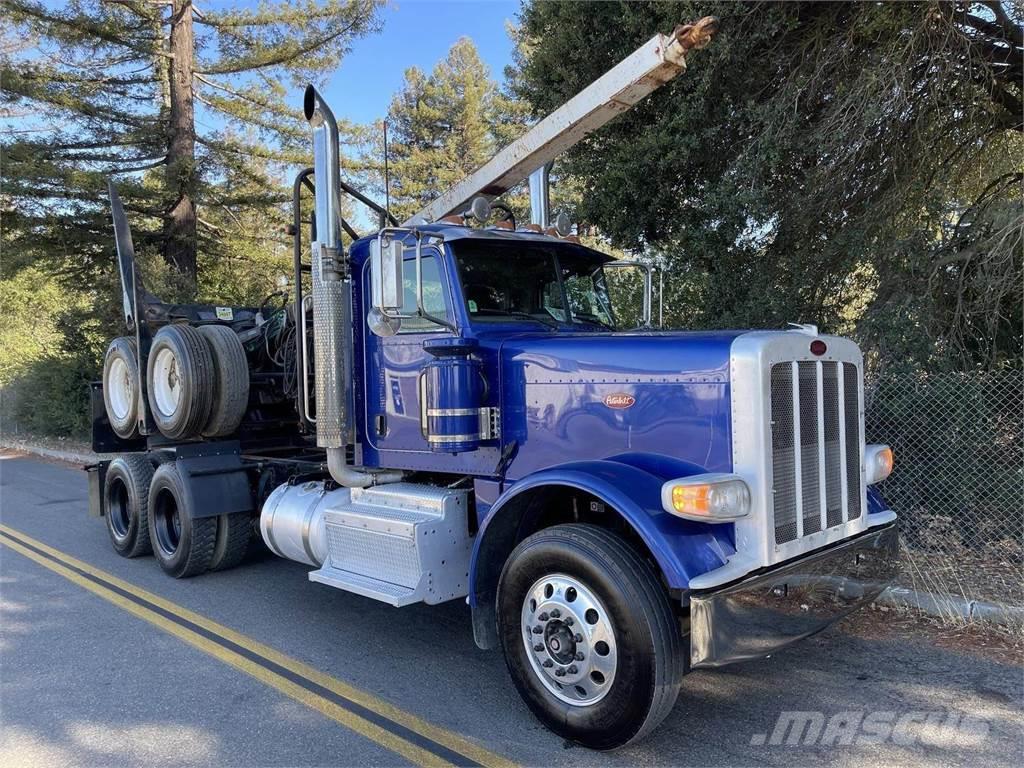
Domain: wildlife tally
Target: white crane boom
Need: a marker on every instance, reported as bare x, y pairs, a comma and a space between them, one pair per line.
646, 69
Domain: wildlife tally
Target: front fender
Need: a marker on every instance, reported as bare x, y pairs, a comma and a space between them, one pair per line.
631, 486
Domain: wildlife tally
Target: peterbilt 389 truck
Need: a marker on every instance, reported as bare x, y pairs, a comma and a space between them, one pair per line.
448, 408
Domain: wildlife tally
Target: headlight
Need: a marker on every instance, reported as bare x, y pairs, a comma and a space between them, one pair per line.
877, 463
710, 498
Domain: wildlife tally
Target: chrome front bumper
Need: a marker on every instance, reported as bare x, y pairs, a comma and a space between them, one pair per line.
765, 612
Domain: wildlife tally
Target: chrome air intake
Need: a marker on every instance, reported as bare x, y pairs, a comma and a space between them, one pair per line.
331, 297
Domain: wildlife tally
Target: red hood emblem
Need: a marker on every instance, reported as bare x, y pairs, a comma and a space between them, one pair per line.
619, 400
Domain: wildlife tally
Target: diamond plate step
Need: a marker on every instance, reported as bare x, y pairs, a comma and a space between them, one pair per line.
385, 591
400, 543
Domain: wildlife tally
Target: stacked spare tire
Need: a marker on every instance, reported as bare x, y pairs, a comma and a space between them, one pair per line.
197, 382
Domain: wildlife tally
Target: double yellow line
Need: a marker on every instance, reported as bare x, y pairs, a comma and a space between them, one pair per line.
404, 734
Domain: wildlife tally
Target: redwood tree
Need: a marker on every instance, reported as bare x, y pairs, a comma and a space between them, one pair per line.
193, 112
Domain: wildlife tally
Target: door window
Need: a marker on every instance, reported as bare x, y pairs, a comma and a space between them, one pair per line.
433, 295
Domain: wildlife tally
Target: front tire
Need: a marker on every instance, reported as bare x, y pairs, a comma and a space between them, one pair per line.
589, 636
182, 543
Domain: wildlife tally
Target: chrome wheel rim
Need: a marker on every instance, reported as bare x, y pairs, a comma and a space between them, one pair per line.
166, 382
569, 639
120, 392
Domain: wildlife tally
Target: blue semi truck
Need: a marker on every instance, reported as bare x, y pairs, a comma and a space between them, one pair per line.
448, 409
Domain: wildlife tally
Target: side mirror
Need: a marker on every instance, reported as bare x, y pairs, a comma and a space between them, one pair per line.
387, 258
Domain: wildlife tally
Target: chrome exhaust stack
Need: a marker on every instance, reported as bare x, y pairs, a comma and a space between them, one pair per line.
332, 303
332, 324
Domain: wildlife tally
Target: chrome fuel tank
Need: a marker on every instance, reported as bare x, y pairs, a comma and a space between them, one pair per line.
292, 521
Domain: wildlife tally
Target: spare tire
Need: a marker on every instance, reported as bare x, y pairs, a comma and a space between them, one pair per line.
181, 381
231, 380
121, 387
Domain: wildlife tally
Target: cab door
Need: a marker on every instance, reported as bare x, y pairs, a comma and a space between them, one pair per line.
394, 363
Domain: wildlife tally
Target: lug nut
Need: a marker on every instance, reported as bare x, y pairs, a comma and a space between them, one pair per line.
559, 672
555, 613
543, 617
568, 621
579, 656
548, 663
577, 637
573, 670
538, 630
538, 647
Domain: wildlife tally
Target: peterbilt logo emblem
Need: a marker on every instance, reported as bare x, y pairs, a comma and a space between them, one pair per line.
619, 400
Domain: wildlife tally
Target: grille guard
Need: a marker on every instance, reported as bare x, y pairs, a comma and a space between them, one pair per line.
767, 612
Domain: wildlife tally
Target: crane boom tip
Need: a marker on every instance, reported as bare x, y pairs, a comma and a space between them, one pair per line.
697, 34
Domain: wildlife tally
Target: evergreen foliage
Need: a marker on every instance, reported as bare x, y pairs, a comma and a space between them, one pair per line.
445, 125
853, 164
193, 113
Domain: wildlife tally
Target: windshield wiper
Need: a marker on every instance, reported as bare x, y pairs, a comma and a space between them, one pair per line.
589, 318
518, 315
528, 316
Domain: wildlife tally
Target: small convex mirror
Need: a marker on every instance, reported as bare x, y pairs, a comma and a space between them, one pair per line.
562, 224
387, 255
480, 208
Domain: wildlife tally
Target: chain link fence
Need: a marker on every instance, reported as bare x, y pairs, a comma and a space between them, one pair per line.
958, 481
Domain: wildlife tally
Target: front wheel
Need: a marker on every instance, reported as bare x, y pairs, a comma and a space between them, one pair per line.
589, 636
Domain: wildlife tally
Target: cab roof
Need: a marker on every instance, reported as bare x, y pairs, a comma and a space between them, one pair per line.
455, 232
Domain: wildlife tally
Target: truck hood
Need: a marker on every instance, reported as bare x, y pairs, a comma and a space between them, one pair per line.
571, 397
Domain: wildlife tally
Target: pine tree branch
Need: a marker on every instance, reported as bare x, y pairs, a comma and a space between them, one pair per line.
280, 59
145, 167
78, 23
209, 226
1013, 31
275, 109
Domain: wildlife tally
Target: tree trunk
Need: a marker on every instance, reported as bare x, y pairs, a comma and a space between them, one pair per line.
179, 246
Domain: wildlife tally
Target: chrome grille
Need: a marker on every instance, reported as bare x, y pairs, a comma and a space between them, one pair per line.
815, 439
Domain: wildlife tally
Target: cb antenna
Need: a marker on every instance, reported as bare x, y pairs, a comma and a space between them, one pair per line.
387, 180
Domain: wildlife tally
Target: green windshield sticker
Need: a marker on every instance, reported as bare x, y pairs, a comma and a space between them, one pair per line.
472, 305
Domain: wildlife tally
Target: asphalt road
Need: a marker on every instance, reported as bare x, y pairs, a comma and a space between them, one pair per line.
92, 673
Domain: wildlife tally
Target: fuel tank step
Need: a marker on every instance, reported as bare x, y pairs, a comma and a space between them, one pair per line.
400, 543
384, 591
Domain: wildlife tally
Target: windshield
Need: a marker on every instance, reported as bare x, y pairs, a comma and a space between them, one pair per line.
524, 281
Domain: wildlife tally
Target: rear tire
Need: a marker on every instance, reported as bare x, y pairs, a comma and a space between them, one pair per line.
605, 667
126, 500
180, 376
231, 380
121, 387
234, 532
182, 543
